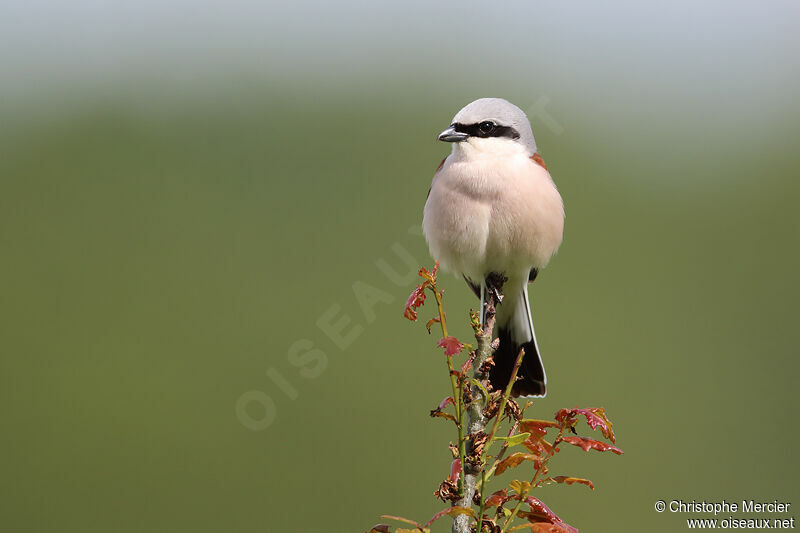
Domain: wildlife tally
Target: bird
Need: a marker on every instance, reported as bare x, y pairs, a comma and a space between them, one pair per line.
494, 210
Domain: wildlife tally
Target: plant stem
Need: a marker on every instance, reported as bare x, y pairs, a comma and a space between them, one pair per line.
449, 359
476, 421
514, 511
543, 465
542, 468
502, 452
457, 396
506, 395
483, 501
498, 417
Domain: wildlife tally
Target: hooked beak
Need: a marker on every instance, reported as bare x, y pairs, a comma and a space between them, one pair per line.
450, 135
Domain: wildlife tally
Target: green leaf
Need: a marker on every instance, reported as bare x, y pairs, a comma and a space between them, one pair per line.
514, 440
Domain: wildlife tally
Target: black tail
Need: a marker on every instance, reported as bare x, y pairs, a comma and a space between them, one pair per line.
530, 377
515, 332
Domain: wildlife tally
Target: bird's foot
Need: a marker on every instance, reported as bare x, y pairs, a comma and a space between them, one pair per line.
494, 284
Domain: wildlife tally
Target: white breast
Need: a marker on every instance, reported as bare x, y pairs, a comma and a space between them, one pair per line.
492, 214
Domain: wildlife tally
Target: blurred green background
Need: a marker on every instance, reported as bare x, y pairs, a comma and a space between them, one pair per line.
186, 189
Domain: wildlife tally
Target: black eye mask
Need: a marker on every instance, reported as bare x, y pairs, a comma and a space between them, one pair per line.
482, 130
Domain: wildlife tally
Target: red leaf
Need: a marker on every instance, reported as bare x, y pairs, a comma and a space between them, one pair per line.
515, 459
455, 470
431, 322
600, 413
536, 427
589, 444
538, 445
541, 513
415, 301
401, 519
498, 498
440, 412
452, 511
448, 400
467, 364
451, 345
429, 276
595, 417
542, 527
380, 528
571, 480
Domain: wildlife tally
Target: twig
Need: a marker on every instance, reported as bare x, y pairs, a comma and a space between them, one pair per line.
522, 496
498, 417
476, 421
506, 395
457, 396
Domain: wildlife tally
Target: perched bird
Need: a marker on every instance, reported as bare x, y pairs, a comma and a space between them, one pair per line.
493, 209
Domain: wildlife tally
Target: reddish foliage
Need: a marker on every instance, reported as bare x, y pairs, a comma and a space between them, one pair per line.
541, 513
429, 276
455, 470
595, 417
515, 459
571, 480
497, 498
589, 444
451, 345
542, 527
448, 400
467, 364
417, 298
540, 450
537, 428
415, 301
539, 446
439, 411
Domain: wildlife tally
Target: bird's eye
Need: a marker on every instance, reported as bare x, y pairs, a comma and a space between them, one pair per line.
486, 127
